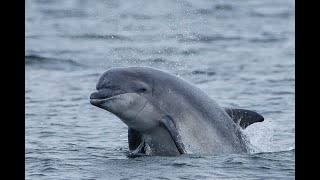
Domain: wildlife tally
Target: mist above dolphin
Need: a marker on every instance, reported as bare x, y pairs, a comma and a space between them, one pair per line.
166, 115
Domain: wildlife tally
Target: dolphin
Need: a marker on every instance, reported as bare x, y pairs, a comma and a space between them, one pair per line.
166, 115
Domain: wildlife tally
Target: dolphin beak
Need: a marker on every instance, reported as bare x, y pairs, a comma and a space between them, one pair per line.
95, 102
95, 99
99, 97
95, 95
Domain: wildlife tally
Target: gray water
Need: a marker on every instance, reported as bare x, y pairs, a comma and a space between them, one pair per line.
242, 53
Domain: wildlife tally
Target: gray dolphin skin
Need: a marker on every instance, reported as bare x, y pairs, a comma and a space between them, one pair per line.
169, 116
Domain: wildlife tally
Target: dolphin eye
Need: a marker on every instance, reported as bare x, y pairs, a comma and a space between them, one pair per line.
143, 90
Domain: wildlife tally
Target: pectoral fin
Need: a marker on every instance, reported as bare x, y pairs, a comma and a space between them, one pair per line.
138, 150
244, 117
168, 123
135, 141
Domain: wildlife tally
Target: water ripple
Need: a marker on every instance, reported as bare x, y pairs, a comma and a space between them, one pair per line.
103, 37
204, 38
209, 73
51, 63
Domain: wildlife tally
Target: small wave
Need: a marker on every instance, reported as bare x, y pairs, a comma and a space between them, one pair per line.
157, 60
64, 13
214, 9
49, 169
258, 155
128, 49
46, 134
209, 73
283, 93
284, 14
233, 161
266, 40
103, 37
160, 62
95, 148
174, 51
135, 16
37, 174
281, 80
267, 37
30, 114
90, 75
166, 51
57, 124
225, 7
181, 164
190, 52
51, 63
289, 150
203, 38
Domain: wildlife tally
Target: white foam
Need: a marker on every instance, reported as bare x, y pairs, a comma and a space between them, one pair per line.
260, 136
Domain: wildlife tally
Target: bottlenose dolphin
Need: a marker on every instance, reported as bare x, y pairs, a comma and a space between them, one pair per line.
166, 115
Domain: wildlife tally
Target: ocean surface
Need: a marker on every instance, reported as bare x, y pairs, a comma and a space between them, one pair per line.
241, 53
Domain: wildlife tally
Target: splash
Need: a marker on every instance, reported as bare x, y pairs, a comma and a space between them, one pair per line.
260, 136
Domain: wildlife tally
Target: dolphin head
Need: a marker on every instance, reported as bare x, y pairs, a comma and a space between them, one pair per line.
130, 94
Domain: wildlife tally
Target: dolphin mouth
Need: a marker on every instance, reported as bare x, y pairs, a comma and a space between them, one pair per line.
98, 102
102, 96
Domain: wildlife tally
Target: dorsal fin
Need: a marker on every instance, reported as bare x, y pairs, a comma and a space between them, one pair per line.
244, 117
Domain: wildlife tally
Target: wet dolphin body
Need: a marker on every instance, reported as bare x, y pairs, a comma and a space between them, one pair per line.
167, 115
